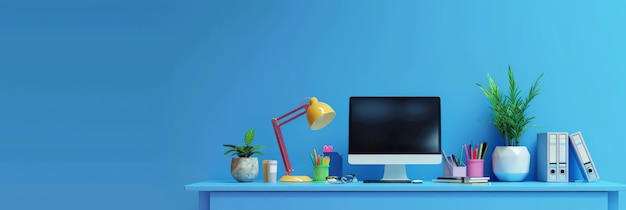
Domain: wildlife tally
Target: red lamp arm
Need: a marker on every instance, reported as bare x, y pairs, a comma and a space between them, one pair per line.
279, 135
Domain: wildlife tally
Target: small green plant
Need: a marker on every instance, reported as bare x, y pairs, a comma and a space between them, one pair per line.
245, 150
509, 112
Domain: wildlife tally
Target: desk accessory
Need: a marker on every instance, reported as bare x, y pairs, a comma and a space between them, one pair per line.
336, 161
270, 168
475, 167
318, 114
453, 168
475, 161
327, 148
447, 179
348, 178
320, 172
265, 170
320, 166
583, 159
389, 181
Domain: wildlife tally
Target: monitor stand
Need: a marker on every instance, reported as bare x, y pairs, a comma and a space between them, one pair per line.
394, 173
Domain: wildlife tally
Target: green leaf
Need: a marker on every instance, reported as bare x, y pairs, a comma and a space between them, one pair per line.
249, 137
230, 151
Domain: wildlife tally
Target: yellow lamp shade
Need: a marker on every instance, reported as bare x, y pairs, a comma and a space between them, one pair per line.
319, 114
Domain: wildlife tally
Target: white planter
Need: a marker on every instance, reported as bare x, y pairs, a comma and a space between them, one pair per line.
244, 169
511, 163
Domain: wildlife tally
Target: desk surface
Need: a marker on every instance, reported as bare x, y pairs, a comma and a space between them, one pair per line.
233, 186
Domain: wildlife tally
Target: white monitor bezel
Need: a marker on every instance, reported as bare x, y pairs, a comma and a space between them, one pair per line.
382, 159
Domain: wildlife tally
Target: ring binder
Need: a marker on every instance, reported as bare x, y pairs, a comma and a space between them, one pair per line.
552, 157
583, 161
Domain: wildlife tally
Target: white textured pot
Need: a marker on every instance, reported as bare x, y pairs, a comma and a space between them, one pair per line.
244, 169
511, 163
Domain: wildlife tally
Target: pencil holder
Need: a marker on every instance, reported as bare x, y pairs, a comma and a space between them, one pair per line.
320, 172
451, 170
475, 167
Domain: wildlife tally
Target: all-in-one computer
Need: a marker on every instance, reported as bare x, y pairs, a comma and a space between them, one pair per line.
394, 131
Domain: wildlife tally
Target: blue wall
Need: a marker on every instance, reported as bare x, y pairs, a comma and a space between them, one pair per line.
118, 104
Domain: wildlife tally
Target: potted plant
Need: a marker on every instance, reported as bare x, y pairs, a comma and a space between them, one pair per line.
244, 168
511, 162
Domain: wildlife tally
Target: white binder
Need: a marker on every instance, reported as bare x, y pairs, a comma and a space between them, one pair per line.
552, 157
584, 161
563, 156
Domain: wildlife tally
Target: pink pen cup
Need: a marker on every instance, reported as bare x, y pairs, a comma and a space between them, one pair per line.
475, 167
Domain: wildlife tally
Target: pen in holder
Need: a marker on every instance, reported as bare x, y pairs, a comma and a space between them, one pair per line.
320, 166
451, 169
475, 159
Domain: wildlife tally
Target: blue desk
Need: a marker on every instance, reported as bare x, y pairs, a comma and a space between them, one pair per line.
217, 195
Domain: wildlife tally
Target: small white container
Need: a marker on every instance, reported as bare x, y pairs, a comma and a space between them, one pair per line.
272, 166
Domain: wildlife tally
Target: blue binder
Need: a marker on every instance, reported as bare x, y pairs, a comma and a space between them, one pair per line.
552, 157
583, 161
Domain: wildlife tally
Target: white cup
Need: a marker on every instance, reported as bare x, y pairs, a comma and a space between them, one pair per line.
272, 166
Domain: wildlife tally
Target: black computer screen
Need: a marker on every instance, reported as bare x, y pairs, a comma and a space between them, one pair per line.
394, 125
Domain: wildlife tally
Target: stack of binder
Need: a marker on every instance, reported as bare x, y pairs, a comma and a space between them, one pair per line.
553, 157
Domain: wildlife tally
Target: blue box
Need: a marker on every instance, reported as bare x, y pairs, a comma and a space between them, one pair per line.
336, 164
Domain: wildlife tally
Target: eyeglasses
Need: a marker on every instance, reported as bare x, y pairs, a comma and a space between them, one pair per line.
348, 178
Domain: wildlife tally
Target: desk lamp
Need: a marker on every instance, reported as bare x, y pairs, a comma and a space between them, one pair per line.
319, 114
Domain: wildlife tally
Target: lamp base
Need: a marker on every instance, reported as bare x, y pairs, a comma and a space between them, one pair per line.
287, 178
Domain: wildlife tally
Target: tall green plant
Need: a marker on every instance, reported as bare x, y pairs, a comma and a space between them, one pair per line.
509, 112
244, 150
